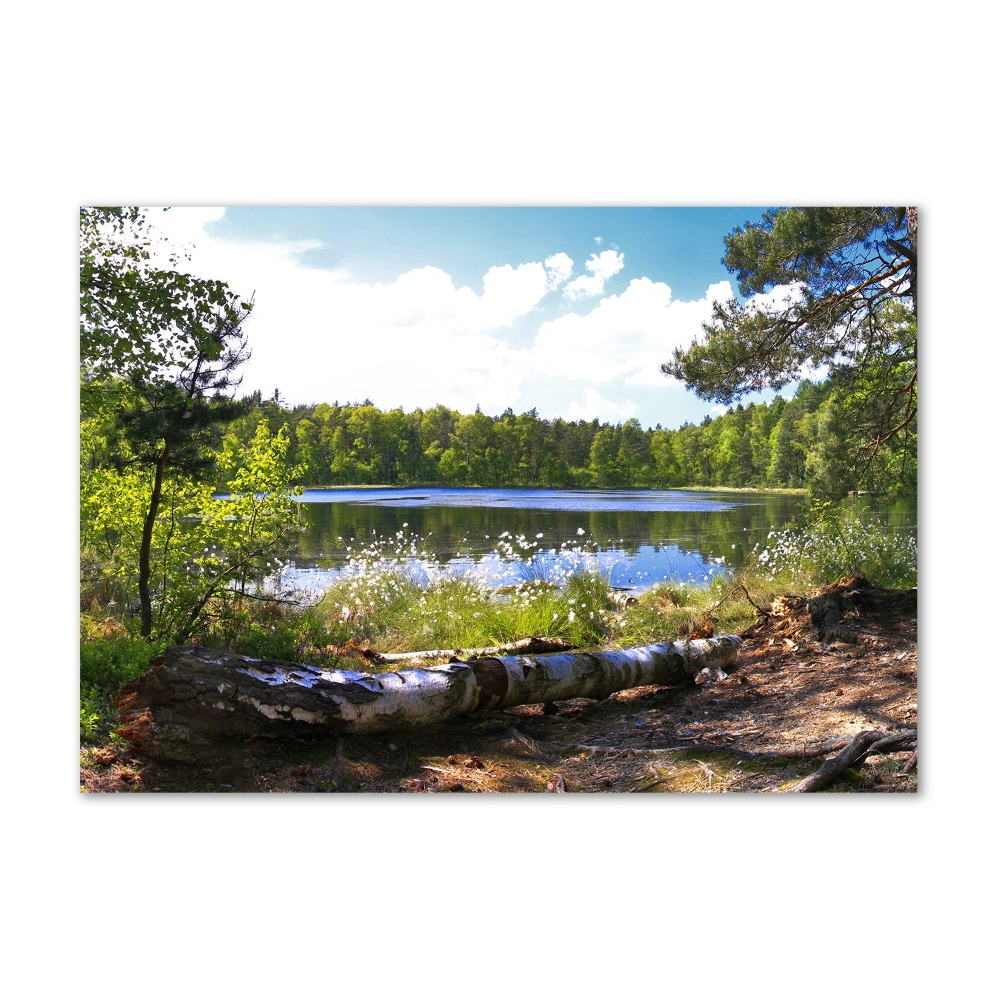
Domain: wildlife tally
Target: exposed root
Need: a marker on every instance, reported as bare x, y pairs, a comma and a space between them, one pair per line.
857, 750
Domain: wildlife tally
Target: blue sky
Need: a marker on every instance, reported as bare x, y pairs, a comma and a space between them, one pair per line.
569, 311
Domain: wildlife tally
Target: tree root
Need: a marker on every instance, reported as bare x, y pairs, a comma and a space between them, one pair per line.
854, 598
857, 750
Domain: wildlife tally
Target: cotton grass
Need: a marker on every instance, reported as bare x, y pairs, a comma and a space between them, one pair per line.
396, 594
829, 548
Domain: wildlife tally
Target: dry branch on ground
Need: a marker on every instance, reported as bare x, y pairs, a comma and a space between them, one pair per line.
522, 647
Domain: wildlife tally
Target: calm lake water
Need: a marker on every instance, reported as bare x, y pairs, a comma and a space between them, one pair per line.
640, 536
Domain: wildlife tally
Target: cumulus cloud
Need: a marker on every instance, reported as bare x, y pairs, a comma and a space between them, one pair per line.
594, 406
624, 337
510, 292
602, 266
559, 267
778, 298
721, 291
411, 342
228, 260
183, 225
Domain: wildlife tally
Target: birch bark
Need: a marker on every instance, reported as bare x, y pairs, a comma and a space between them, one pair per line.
192, 696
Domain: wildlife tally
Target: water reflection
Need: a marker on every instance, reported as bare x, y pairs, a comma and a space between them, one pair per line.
639, 536
528, 499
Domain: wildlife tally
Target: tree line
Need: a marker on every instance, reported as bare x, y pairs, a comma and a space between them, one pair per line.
810, 441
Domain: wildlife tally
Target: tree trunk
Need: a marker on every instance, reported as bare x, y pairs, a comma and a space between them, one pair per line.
146, 545
191, 697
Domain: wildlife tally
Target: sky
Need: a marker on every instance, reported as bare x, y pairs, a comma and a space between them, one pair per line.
568, 311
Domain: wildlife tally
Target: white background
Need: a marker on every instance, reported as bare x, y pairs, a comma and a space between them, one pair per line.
459, 103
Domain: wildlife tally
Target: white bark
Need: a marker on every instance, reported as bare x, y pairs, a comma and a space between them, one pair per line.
533, 679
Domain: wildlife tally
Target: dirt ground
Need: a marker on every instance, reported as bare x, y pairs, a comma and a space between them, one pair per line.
758, 730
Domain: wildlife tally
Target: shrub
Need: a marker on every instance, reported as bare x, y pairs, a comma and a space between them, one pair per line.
106, 666
89, 719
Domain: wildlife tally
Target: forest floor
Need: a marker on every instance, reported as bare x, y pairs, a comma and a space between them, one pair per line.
791, 701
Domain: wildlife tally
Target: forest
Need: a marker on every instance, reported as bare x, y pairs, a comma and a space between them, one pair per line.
810, 441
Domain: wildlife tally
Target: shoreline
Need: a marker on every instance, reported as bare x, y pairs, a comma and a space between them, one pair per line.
786, 491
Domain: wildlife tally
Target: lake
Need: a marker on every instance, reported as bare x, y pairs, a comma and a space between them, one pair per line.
639, 536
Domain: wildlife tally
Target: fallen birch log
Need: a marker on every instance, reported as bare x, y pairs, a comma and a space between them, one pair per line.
191, 697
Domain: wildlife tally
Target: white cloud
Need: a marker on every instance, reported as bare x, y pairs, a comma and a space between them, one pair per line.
560, 267
780, 297
625, 337
183, 225
594, 406
602, 266
721, 291
236, 262
510, 292
320, 335
412, 342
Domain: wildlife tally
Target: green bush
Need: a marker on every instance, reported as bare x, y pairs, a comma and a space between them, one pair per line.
106, 666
